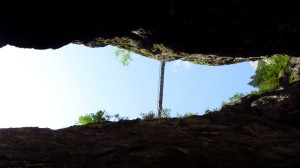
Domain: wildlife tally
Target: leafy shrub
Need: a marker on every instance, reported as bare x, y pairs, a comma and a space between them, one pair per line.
124, 55
268, 73
188, 114
148, 116
207, 111
234, 99
165, 113
100, 116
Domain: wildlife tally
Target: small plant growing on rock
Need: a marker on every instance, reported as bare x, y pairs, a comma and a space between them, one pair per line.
165, 113
148, 116
124, 55
270, 72
207, 111
234, 99
188, 114
100, 116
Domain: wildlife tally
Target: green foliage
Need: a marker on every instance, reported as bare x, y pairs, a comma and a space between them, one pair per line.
234, 99
124, 55
99, 116
207, 111
117, 117
293, 76
188, 114
148, 116
268, 73
223, 103
165, 113
255, 92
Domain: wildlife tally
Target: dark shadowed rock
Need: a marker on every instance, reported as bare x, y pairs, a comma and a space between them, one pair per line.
205, 32
260, 131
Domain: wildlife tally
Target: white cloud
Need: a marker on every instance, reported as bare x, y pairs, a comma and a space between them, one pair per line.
179, 66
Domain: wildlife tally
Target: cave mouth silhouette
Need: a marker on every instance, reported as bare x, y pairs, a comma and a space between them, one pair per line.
262, 131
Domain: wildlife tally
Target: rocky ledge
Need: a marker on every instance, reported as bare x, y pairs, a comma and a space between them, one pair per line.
259, 131
206, 32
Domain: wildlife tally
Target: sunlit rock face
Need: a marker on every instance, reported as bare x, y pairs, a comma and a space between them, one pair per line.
205, 32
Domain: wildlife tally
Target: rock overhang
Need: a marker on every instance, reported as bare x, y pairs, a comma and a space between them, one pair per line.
204, 32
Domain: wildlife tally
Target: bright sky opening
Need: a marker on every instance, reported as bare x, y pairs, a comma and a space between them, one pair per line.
52, 88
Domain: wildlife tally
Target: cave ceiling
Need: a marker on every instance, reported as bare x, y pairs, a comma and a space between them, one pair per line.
204, 32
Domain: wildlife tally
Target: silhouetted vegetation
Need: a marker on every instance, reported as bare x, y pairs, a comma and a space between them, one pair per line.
165, 113
207, 111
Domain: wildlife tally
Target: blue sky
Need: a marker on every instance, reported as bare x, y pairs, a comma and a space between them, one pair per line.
52, 88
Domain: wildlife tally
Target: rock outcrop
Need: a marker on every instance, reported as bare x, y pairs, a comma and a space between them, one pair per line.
294, 69
205, 32
259, 131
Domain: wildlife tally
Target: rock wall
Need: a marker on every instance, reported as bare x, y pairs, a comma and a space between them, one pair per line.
204, 32
260, 131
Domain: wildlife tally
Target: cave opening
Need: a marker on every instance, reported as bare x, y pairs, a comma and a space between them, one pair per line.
52, 88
